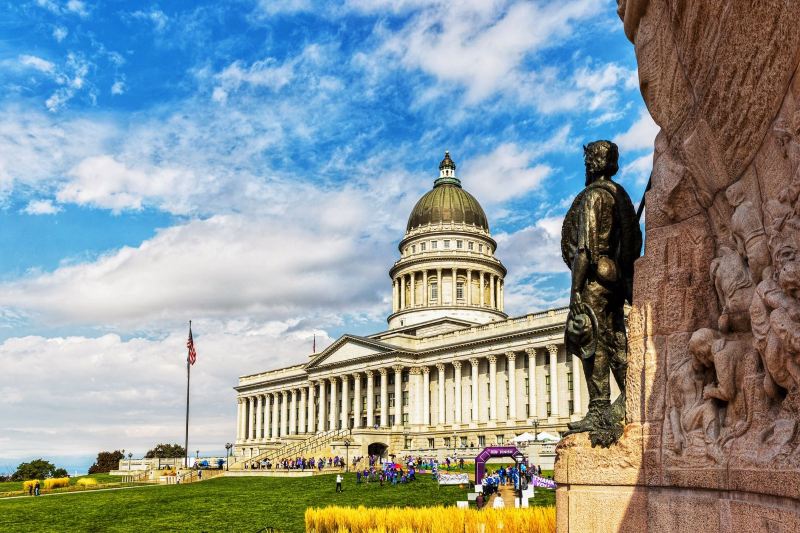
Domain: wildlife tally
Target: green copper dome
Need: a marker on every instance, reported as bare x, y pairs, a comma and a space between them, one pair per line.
447, 202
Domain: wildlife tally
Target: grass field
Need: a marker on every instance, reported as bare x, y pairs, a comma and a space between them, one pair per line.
8, 486
244, 504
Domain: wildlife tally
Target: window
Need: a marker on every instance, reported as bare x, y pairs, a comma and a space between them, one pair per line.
391, 399
405, 398
405, 377
459, 244
481, 440
446, 243
434, 291
549, 411
500, 439
377, 402
422, 247
463, 442
405, 419
391, 378
413, 248
433, 245
430, 443
407, 443
527, 390
391, 420
364, 421
527, 410
447, 442
571, 407
460, 290
470, 245
480, 248
364, 403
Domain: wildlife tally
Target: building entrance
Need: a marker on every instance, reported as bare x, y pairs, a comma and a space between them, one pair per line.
377, 448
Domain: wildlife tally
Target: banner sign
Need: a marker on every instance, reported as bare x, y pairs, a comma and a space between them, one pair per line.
538, 481
453, 479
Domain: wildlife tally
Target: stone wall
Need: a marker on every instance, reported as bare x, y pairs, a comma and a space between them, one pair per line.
713, 382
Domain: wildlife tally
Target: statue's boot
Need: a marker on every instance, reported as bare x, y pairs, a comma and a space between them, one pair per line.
592, 418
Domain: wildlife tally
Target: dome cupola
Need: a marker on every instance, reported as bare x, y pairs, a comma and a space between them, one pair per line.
447, 266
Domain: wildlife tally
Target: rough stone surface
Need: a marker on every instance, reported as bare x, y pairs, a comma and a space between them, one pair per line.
713, 405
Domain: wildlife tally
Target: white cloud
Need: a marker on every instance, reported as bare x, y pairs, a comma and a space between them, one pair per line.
41, 207
638, 170
158, 18
37, 63
60, 33
506, 172
130, 393
266, 73
118, 87
274, 7
640, 136
78, 7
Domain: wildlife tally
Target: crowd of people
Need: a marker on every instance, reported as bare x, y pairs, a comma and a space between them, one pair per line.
300, 463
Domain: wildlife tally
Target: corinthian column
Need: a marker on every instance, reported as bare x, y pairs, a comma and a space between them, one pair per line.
384, 396
533, 411
259, 414
468, 287
302, 412
267, 415
370, 398
293, 413
442, 413
492, 287
426, 395
284, 413
475, 413
414, 396
413, 289
311, 413
453, 298
553, 350
275, 415
333, 403
345, 401
483, 297
512, 385
457, 394
251, 404
492, 387
322, 415
356, 400
239, 419
425, 288
398, 395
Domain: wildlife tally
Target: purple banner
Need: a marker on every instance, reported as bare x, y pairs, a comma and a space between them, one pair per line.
490, 453
543, 482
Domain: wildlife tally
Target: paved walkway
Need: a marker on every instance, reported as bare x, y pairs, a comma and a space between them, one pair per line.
80, 491
507, 493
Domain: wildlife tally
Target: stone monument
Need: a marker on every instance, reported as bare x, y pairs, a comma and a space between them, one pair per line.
711, 438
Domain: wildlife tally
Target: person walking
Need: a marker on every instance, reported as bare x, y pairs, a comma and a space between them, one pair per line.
36, 489
338, 483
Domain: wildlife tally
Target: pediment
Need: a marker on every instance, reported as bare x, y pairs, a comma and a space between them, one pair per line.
349, 347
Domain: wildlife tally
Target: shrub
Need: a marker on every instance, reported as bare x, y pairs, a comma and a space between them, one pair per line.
56, 482
430, 520
86, 482
29, 484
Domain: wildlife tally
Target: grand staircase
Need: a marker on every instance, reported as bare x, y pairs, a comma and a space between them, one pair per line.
305, 448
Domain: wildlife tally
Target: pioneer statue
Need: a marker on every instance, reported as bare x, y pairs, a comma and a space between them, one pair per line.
600, 241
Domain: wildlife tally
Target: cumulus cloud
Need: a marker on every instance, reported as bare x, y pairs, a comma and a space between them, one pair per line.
60, 33
506, 172
118, 87
37, 63
158, 18
41, 207
640, 136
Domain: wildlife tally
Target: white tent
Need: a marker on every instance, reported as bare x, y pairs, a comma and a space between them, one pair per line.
547, 437
525, 438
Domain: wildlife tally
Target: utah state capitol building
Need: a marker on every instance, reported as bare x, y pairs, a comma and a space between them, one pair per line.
451, 372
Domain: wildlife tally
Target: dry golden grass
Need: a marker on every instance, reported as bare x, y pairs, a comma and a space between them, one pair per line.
430, 520
86, 482
29, 484
56, 482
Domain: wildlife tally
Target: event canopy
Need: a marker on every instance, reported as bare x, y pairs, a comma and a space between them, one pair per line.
548, 437
524, 438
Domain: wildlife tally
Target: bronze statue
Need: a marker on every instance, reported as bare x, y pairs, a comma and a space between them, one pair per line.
600, 240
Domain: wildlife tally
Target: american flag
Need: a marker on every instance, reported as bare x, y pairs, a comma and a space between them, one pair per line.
190, 344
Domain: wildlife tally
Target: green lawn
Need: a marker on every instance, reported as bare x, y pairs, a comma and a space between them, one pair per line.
8, 486
244, 504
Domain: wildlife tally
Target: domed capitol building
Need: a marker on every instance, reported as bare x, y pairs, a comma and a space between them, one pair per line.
451, 374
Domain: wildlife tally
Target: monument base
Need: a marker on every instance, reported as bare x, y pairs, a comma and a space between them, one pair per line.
617, 489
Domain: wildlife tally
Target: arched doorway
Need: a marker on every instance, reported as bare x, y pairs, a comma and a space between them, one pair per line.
377, 448
490, 453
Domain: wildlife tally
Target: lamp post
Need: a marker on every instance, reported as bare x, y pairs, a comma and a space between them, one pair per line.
455, 444
518, 459
535, 422
347, 443
228, 447
129, 461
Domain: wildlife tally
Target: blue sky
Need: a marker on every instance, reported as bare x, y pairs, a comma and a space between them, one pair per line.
250, 165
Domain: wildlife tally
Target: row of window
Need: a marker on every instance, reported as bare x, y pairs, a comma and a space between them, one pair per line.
449, 442
448, 244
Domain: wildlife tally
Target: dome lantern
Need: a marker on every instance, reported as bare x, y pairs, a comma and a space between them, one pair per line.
447, 172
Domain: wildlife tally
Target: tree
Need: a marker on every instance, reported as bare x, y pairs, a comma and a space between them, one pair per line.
166, 451
106, 462
36, 469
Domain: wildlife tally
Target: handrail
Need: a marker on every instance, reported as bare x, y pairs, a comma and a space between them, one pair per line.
289, 449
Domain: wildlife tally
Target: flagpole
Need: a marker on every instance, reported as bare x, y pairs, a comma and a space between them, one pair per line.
186, 440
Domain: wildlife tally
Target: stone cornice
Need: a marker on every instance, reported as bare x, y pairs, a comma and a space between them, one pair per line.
447, 261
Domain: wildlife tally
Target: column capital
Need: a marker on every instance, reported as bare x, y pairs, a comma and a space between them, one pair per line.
285, 393
383, 371
415, 370
531, 352
398, 368
457, 365
426, 370
333, 379
552, 348
492, 358
512, 356
369, 373
474, 361
241, 399
440, 367
303, 391
356, 375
